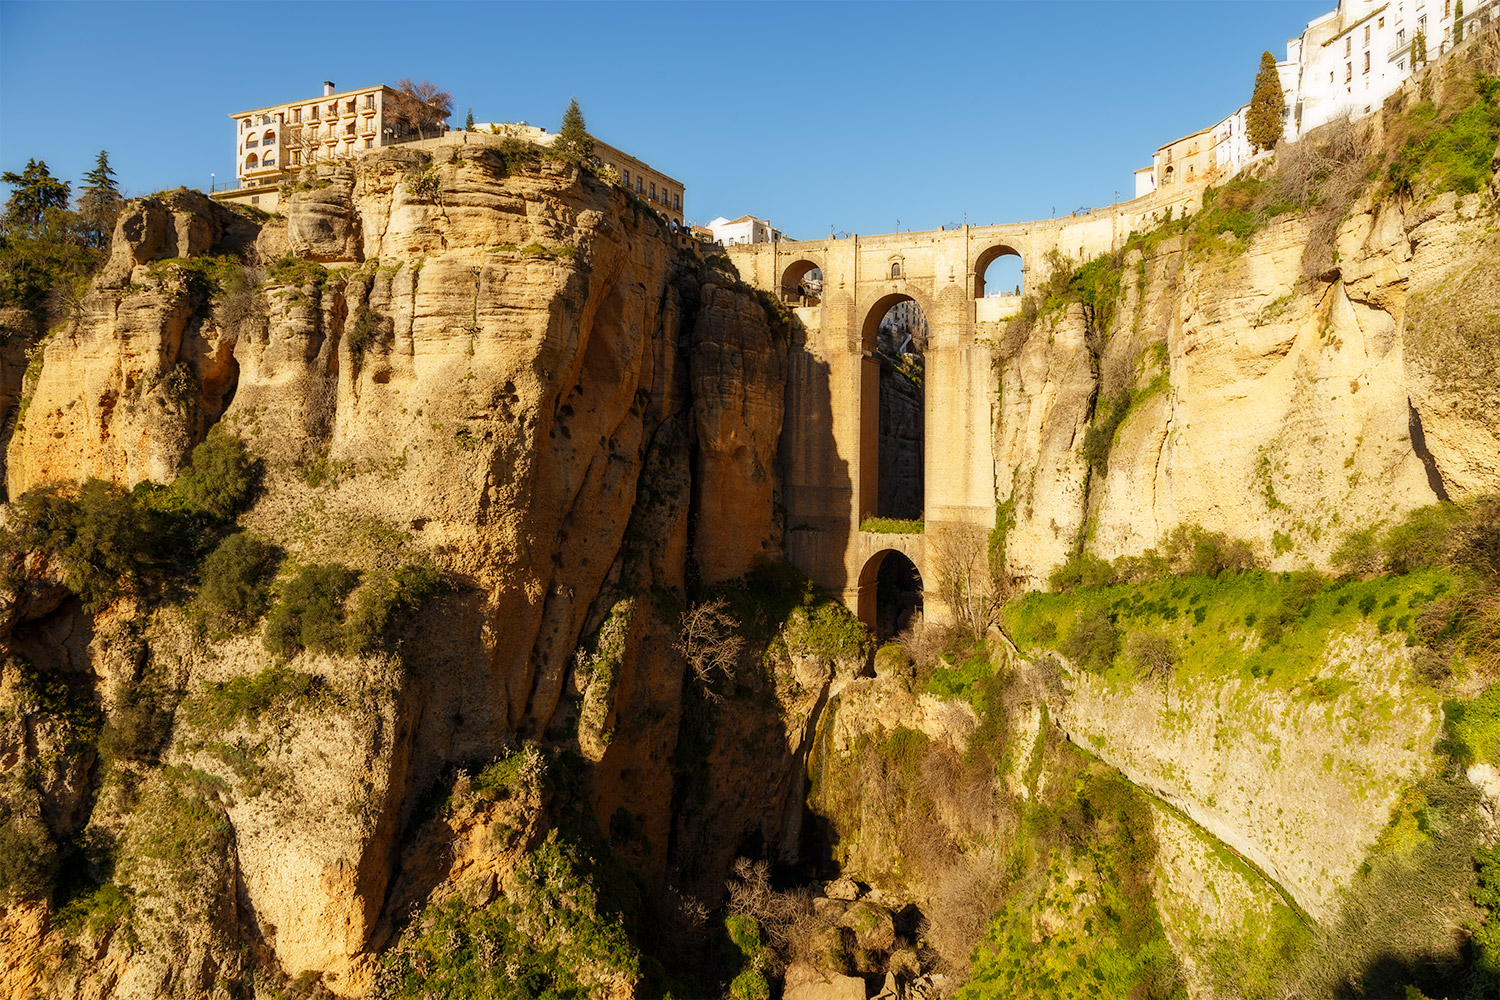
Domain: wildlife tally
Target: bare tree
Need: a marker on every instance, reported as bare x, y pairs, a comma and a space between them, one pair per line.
965, 581
711, 643
420, 106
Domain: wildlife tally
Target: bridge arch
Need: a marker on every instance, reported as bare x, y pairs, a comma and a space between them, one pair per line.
890, 593
983, 282
795, 276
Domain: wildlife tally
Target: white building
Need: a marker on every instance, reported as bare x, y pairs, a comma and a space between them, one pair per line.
1351, 59
1346, 62
745, 229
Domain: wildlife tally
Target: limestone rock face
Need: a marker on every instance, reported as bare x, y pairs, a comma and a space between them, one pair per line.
1274, 408
503, 371
737, 371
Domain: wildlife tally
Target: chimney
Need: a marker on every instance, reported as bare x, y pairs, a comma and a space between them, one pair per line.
327, 87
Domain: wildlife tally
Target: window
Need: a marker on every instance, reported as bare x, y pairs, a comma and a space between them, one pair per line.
349, 129
1367, 34
653, 190
369, 143
1380, 23
1401, 66
251, 162
627, 178
333, 109
296, 157
1401, 36
349, 106
313, 112
1348, 45
296, 114
369, 100
1422, 23
1447, 8
1367, 62
677, 202
1348, 72
638, 185
896, 269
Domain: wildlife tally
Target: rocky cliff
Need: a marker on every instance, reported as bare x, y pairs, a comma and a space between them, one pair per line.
480, 360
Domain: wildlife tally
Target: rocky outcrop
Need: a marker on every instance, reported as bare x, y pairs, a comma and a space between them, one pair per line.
1268, 406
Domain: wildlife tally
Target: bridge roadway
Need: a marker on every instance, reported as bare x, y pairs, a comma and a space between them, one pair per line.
830, 450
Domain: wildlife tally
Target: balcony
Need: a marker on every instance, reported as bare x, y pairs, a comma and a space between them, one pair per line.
251, 143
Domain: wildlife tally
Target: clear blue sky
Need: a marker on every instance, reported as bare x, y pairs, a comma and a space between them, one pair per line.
847, 115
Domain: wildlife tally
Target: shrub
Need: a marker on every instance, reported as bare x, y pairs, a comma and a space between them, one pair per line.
236, 580
381, 601
750, 985
1359, 553
28, 859
139, 727
1153, 654
310, 611
220, 478
222, 706
1082, 569
1428, 536
1093, 639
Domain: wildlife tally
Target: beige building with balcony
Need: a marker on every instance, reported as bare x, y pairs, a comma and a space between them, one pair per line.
275, 142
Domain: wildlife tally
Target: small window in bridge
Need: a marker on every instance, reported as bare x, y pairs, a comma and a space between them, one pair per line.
896, 270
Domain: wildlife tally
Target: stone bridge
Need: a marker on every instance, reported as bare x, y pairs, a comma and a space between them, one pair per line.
830, 438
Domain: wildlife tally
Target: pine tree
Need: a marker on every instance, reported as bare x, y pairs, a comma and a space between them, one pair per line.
469, 121
1267, 105
1458, 22
1418, 49
36, 191
573, 139
99, 204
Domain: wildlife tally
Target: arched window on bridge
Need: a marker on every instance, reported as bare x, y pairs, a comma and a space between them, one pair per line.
802, 283
895, 338
997, 271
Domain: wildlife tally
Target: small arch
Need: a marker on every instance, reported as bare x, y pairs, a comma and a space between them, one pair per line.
268, 138
802, 282
895, 269
890, 593
251, 162
1004, 275
1167, 176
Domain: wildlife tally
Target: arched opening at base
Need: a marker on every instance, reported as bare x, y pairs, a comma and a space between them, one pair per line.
890, 594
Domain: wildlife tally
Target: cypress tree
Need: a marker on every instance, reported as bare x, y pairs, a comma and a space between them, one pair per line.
469, 121
573, 138
1267, 105
1458, 22
99, 204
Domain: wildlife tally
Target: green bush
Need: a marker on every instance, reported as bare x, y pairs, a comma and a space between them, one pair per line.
750, 985
221, 477
1082, 569
139, 727
1093, 640
222, 706
309, 613
1152, 654
28, 859
1429, 536
382, 601
236, 580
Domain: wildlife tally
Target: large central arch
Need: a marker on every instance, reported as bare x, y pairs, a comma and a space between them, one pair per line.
893, 418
